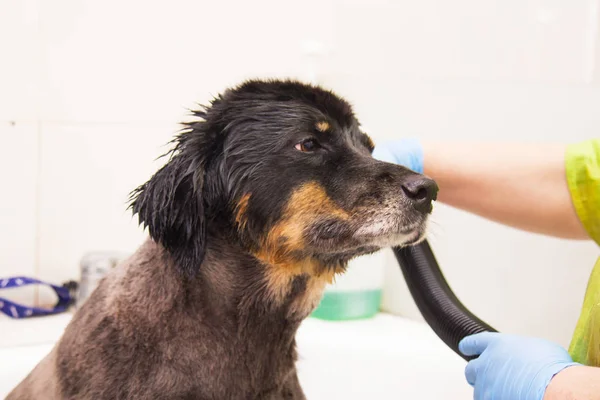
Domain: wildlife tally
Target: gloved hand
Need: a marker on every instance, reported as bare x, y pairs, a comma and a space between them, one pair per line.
512, 367
405, 152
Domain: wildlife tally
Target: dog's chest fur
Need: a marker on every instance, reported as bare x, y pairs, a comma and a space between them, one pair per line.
152, 336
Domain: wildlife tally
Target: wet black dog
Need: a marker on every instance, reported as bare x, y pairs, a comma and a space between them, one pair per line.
262, 202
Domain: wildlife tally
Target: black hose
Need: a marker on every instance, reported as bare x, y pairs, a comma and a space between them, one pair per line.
440, 307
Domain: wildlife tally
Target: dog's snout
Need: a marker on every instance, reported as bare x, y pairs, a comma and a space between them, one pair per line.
421, 191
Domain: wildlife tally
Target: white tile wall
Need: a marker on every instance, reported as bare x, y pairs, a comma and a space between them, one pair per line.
511, 40
146, 61
19, 57
18, 194
106, 82
87, 173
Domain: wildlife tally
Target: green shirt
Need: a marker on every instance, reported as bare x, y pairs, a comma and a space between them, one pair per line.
582, 164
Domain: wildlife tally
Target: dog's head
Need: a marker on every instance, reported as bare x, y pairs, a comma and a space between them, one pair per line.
286, 171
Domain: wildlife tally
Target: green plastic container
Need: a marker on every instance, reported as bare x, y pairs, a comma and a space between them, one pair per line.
339, 306
357, 293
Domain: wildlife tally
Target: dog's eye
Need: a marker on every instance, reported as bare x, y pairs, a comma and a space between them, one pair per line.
308, 145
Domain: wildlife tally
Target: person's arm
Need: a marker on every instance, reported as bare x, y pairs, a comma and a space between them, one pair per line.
517, 184
575, 383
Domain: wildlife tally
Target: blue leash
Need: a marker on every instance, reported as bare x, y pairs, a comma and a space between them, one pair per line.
65, 293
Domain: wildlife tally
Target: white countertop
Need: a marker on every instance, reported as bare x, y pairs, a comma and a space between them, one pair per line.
386, 357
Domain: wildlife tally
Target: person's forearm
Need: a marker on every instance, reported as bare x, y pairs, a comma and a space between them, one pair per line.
520, 185
575, 383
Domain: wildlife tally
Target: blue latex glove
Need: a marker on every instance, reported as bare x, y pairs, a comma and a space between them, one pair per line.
405, 152
512, 367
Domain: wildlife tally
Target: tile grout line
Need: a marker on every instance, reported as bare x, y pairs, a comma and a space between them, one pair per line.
37, 212
38, 173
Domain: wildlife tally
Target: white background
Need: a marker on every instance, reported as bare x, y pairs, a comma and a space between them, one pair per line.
91, 91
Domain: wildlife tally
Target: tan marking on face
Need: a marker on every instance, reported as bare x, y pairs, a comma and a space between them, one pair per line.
323, 126
370, 140
306, 205
279, 280
242, 207
280, 247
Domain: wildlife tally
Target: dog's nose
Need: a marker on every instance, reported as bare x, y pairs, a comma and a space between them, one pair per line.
421, 191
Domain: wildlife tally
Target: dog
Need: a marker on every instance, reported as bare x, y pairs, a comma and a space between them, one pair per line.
264, 198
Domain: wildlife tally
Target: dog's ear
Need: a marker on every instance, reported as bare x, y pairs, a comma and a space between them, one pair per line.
171, 205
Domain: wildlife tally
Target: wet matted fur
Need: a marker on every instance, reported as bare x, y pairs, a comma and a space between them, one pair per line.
263, 200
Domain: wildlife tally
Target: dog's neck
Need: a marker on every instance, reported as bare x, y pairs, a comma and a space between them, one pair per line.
231, 289
253, 290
